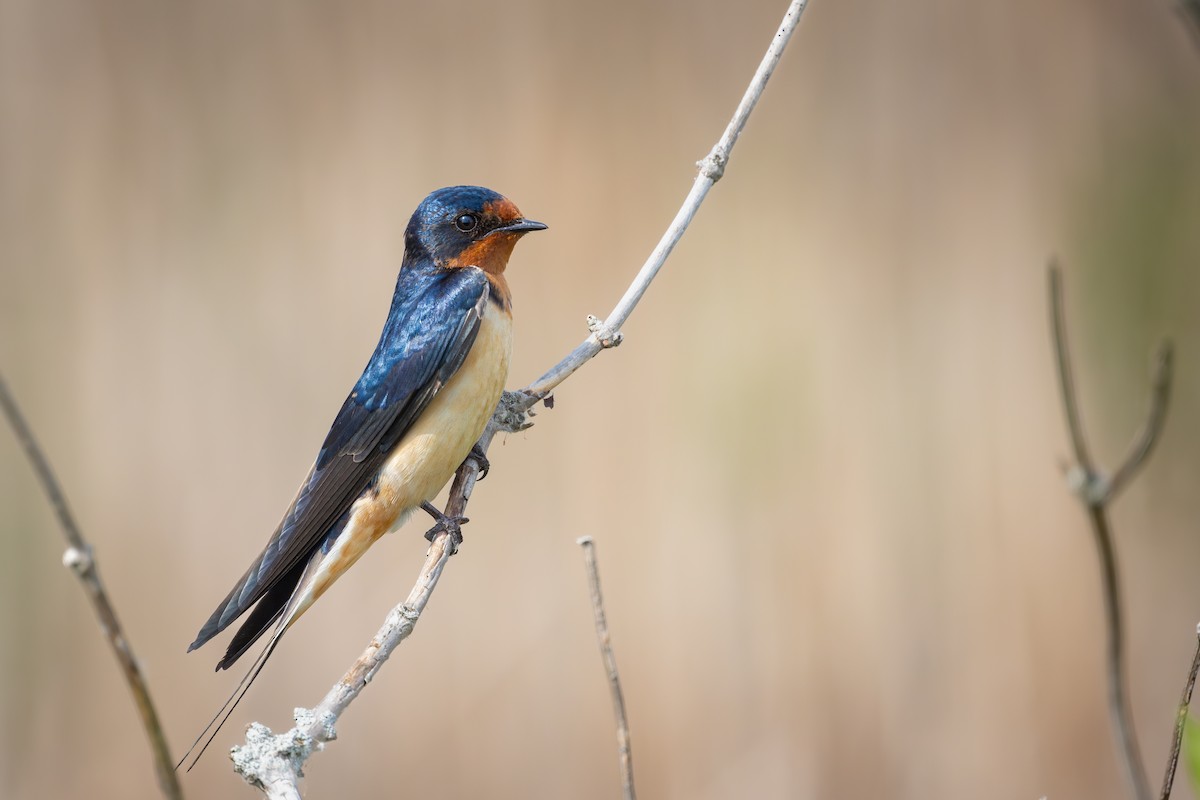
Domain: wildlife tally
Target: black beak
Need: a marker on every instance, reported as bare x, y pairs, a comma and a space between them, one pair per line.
523, 226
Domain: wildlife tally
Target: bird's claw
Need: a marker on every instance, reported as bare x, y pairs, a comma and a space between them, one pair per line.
481, 461
450, 525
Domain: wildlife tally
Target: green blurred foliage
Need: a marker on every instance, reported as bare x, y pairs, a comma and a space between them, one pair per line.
1191, 752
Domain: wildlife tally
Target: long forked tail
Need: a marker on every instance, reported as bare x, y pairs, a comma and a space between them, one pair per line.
274, 609
281, 606
222, 716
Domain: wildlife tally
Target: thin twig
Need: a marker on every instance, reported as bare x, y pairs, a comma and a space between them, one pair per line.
1147, 437
274, 762
1181, 721
1096, 493
608, 333
1066, 376
80, 559
1118, 690
624, 751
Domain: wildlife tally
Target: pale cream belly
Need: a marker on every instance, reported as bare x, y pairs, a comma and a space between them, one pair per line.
424, 460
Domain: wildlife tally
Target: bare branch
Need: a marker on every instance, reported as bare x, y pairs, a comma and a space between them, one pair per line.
1147, 437
1118, 692
1181, 722
274, 763
711, 169
1096, 493
80, 559
1066, 376
624, 751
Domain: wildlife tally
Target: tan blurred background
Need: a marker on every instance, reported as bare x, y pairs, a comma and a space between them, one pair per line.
823, 472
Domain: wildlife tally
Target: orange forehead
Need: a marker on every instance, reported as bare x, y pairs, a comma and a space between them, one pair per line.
504, 209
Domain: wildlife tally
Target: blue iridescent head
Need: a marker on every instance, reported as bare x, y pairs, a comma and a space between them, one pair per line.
464, 226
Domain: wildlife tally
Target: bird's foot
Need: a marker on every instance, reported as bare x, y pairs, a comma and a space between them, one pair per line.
481, 461
451, 525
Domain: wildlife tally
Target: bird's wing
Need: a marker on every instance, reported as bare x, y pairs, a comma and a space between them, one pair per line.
428, 335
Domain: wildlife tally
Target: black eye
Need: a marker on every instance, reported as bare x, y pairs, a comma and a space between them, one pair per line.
466, 222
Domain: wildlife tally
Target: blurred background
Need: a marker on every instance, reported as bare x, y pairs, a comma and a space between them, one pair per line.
823, 472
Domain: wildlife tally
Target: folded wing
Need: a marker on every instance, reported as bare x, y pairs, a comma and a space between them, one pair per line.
434, 321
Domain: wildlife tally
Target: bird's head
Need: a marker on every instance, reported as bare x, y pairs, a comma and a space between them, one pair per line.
466, 226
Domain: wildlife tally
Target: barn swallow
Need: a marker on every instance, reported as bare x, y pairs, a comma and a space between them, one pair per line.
423, 400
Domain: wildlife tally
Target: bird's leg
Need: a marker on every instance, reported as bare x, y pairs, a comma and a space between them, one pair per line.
451, 525
481, 461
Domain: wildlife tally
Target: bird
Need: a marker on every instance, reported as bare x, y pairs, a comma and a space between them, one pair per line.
412, 418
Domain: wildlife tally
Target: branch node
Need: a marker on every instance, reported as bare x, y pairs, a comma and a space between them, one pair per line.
1093, 488
78, 560
1096, 491
606, 336
712, 166
513, 411
403, 615
260, 757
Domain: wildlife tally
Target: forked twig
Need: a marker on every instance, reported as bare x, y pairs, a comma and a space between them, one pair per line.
624, 750
1096, 492
273, 762
79, 558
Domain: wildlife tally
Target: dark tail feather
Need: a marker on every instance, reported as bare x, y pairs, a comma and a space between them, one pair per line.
232, 607
269, 611
263, 616
272, 609
232, 703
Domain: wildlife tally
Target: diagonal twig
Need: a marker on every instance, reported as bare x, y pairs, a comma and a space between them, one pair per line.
81, 561
1096, 492
1147, 437
624, 749
1181, 717
1066, 375
607, 333
273, 763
